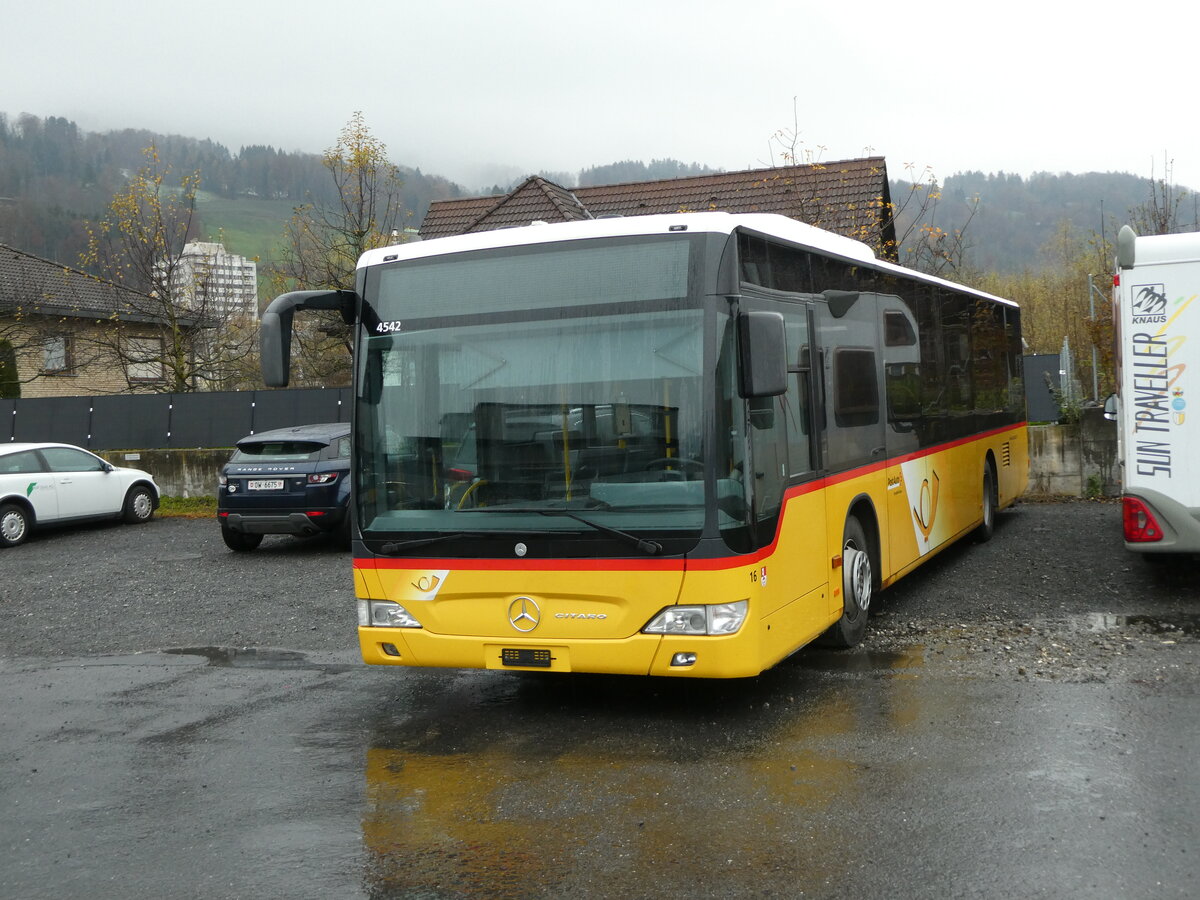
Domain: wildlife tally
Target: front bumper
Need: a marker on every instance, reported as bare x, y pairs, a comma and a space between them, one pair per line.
758, 646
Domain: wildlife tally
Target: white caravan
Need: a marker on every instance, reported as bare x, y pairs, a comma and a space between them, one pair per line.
1156, 313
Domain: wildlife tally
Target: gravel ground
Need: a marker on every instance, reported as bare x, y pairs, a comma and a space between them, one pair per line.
1054, 595
171, 583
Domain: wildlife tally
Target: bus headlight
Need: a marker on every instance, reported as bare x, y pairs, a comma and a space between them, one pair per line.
718, 618
384, 614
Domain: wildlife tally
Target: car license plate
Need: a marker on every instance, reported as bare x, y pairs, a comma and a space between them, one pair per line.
264, 484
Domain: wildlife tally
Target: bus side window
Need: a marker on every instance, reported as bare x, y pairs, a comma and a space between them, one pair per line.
769, 451
798, 399
855, 387
901, 361
955, 321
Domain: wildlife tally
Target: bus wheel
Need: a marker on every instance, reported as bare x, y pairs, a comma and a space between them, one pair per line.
858, 585
988, 525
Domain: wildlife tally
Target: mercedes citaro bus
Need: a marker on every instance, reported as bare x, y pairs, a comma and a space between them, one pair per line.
680, 445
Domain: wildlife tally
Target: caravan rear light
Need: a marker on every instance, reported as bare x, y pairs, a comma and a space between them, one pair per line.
1139, 521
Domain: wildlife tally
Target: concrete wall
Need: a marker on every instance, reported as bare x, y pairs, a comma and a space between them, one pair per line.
1075, 460
178, 473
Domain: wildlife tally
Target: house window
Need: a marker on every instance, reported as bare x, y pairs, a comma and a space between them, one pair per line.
144, 355
56, 355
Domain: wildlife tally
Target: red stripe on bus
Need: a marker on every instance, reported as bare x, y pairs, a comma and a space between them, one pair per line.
665, 565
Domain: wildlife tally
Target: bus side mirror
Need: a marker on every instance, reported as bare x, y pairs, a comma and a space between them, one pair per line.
1110, 407
275, 330
762, 346
275, 347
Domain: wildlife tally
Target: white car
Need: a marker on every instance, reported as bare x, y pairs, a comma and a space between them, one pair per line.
56, 484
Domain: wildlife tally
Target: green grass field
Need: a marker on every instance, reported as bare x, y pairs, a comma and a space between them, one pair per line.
248, 226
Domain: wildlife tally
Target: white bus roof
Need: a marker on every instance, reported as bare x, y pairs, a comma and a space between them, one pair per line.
770, 224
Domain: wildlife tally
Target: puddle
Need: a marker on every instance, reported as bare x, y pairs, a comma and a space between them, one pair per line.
1183, 623
255, 658
862, 660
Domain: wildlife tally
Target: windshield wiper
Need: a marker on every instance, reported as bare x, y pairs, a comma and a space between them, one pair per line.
650, 548
396, 546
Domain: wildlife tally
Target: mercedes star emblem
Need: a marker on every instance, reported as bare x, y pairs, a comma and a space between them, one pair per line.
524, 614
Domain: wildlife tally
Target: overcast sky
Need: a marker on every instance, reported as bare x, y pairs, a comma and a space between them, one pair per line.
456, 87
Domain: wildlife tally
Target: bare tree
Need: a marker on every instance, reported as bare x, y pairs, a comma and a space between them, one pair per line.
1160, 214
323, 244
186, 336
920, 242
47, 326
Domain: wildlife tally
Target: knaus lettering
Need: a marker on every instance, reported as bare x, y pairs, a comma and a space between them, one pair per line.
1149, 304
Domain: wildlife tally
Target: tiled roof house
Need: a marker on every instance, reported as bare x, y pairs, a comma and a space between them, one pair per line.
850, 197
57, 325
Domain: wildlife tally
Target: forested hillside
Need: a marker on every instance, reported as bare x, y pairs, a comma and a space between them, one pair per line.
1015, 217
54, 177
635, 170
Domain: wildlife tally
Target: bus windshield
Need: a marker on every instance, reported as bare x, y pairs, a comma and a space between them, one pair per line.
516, 384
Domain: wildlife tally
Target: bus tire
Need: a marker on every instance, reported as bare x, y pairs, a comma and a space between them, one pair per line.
858, 588
987, 527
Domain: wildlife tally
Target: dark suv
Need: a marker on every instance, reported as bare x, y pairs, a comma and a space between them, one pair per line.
286, 481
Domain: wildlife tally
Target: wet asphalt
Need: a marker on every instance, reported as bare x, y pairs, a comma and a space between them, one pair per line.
182, 721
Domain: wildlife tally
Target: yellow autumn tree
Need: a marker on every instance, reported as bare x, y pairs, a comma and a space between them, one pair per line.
1067, 296
323, 241
186, 336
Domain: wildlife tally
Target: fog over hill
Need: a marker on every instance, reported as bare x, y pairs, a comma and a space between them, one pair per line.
54, 176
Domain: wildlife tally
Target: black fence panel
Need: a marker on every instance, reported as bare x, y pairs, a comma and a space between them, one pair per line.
7, 408
161, 421
64, 419
130, 422
281, 409
210, 419
1041, 377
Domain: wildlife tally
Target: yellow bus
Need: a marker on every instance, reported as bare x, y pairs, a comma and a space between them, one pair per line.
681, 445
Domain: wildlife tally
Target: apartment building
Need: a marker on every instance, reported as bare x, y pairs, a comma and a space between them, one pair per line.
208, 277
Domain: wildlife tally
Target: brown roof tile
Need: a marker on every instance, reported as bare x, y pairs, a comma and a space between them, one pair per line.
37, 286
446, 217
535, 199
845, 197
